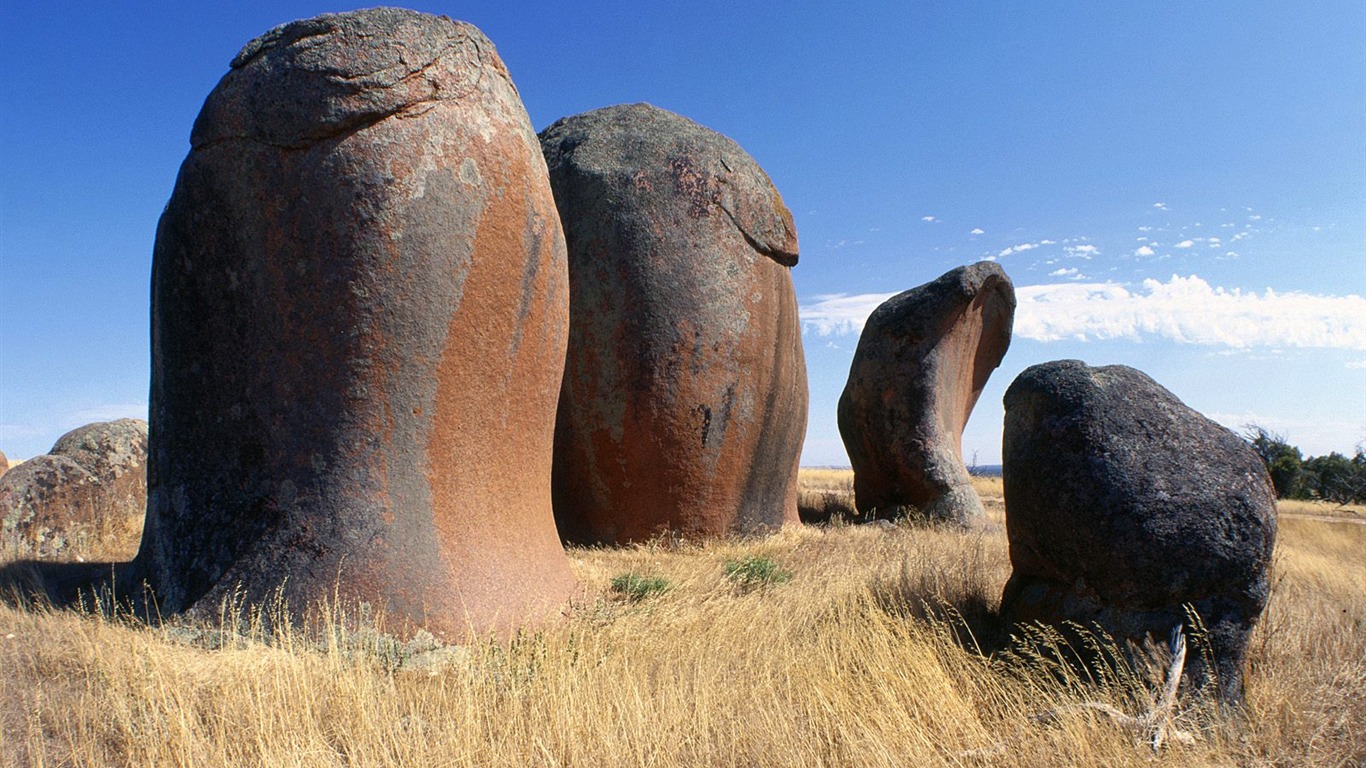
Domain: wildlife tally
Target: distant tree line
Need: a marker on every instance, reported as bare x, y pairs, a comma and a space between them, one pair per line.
1334, 477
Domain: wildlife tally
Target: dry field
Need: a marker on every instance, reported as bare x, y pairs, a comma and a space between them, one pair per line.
836, 646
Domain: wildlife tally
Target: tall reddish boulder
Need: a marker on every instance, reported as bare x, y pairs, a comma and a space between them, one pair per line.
921, 363
93, 482
1126, 510
359, 315
684, 401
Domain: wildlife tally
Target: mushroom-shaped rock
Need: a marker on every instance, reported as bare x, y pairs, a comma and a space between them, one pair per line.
93, 482
359, 314
1123, 506
684, 400
921, 363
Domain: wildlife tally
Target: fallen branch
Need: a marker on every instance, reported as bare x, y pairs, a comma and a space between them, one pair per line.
1154, 727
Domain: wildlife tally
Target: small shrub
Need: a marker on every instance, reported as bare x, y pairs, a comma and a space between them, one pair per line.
756, 571
634, 587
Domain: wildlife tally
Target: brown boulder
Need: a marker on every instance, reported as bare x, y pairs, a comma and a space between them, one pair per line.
684, 400
921, 363
46, 502
359, 313
93, 483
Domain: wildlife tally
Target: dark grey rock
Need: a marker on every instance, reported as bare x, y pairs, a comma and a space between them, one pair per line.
921, 363
684, 401
1124, 506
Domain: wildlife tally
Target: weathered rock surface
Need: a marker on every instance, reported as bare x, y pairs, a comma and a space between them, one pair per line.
93, 482
4, 463
684, 401
1123, 505
921, 363
359, 315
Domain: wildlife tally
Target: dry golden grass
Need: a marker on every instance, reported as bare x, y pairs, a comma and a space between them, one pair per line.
1322, 509
857, 660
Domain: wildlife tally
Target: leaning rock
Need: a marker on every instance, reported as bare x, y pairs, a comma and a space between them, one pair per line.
93, 483
684, 400
921, 363
359, 314
1123, 506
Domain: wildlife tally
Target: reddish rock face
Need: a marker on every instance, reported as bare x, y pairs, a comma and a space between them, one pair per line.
1126, 508
4, 463
921, 363
684, 401
359, 314
93, 480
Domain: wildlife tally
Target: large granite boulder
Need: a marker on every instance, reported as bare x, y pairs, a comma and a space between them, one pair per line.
921, 363
92, 484
359, 315
1124, 506
684, 400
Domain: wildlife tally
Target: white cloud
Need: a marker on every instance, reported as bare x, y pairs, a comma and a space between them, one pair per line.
839, 313
1184, 244
1189, 310
1144, 251
928, 218
1185, 310
1048, 242
1064, 272
977, 231
1084, 250
1160, 206
1019, 248
1357, 365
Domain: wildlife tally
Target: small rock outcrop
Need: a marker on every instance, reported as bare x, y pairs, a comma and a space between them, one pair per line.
1124, 506
93, 483
684, 402
359, 314
921, 363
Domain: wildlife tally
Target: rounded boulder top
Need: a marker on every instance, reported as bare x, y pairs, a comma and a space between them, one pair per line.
314, 78
106, 449
643, 145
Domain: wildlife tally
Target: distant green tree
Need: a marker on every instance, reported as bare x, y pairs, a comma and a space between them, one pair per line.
1283, 461
1336, 478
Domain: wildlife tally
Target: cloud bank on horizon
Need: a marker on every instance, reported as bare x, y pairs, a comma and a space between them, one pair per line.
1186, 310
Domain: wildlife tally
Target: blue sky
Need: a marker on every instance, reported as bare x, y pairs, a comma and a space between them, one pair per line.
1176, 186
